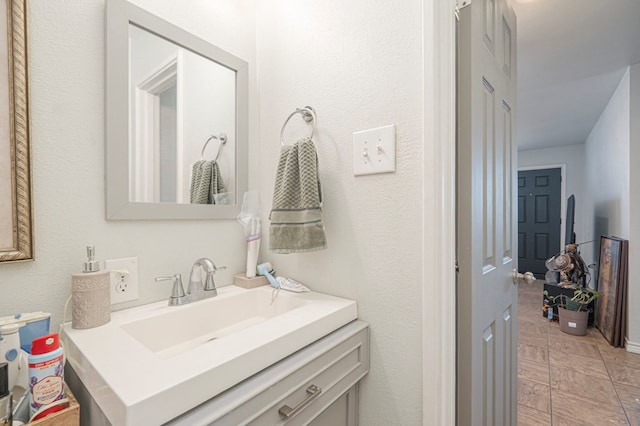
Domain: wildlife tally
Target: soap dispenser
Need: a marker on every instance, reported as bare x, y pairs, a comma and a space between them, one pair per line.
90, 295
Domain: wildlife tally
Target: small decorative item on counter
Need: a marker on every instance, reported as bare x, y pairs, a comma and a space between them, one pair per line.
241, 280
10, 352
32, 325
249, 219
46, 375
6, 399
90, 295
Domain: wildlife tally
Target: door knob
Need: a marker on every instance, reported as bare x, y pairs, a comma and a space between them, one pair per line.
527, 277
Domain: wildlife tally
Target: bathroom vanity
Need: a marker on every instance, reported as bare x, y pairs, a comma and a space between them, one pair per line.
246, 360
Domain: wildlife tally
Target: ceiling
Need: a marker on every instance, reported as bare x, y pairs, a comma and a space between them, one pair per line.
571, 57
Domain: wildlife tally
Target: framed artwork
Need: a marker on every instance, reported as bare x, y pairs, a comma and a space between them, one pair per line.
609, 285
16, 215
621, 302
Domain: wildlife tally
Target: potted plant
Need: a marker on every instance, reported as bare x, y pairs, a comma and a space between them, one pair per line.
573, 312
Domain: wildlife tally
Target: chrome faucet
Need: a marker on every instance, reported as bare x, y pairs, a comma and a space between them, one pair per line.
177, 297
197, 290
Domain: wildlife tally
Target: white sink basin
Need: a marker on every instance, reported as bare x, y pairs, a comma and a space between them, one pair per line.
154, 362
184, 328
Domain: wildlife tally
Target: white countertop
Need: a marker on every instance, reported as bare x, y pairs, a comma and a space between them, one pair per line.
135, 385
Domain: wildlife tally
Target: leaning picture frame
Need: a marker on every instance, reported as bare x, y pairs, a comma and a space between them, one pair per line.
608, 282
16, 208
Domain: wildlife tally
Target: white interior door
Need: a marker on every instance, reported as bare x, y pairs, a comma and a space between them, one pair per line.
486, 232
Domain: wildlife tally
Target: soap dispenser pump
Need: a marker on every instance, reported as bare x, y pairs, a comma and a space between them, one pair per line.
91, 265
90, 294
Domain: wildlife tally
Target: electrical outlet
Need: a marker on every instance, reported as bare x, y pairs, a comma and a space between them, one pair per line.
124, 279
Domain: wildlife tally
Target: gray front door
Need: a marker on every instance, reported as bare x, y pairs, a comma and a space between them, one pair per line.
487, 299
538, 218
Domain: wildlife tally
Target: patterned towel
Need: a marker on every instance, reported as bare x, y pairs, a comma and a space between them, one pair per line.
217, 189
206, 182
296, 221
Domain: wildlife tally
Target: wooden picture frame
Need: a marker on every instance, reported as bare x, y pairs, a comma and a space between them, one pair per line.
609, 278
16, 219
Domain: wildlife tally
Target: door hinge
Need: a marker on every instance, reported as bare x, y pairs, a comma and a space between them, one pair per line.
457, 266
460, 4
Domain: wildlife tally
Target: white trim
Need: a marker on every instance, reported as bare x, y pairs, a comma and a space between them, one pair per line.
182, 188
632, 347
142, 154
439, 280
563, 194
146, 166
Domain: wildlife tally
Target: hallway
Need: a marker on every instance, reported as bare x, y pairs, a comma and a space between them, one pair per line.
570, 380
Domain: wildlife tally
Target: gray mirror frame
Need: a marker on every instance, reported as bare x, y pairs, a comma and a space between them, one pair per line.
119, 14
19, 140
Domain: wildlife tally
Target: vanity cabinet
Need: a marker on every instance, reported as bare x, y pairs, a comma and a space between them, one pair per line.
317, 385
321, 379
342, 412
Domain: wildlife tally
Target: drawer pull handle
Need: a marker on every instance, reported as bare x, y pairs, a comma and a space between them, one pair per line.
288, 412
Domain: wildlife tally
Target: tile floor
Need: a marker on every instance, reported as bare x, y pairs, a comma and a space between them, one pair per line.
570, 380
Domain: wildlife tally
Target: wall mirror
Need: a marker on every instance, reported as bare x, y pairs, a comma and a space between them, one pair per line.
176, 121
16, 227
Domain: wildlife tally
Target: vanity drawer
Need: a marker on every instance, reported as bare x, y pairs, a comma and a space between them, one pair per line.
333, 364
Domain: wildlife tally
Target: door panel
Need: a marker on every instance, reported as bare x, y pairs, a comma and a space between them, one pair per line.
489, 23
486, 231
539, 199
488, 200
488, 376
510, 353
507, 38
542, 208
507, 172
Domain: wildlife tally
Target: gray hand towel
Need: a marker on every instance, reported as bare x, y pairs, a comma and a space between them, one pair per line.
217, 184
200, 181
296, 220
206, 182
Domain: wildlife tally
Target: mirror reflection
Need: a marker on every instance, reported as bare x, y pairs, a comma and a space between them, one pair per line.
182, 124
171, 99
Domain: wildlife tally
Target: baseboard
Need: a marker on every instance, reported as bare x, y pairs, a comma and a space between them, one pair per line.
632, 347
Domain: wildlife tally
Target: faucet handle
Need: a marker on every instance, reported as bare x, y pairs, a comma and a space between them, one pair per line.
209, 283
177, 292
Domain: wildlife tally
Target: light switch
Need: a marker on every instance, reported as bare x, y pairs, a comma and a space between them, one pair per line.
374, 151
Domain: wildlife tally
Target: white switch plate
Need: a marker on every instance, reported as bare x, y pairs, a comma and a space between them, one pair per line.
124, 279
374, 151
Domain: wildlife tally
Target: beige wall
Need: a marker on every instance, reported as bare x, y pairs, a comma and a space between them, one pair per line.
612, 206
634, 202
359, 64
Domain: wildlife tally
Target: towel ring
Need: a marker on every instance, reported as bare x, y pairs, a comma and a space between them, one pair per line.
221, 138
308, 115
